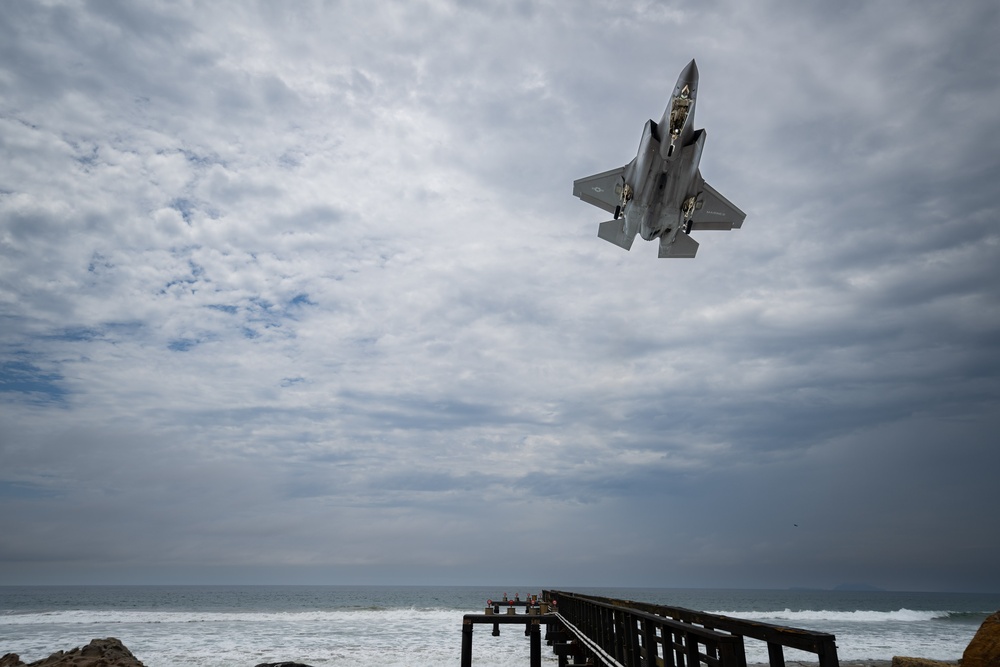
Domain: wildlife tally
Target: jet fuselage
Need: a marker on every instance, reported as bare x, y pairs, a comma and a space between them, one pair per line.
664, 173
661, 193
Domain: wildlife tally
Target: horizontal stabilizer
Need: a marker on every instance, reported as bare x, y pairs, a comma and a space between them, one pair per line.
615, 231
682, 245
600, 189
716, 212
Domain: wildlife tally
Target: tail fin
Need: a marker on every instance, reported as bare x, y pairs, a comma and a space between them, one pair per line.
617, 232
681, 245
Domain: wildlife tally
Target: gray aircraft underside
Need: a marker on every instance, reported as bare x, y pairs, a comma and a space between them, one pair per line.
660, 193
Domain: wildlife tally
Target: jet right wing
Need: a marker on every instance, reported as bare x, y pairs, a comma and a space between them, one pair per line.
716, 212
600, 189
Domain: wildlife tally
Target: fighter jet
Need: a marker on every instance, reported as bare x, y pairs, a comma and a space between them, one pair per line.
660, 193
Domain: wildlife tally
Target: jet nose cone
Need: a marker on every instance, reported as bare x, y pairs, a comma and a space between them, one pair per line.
689, 74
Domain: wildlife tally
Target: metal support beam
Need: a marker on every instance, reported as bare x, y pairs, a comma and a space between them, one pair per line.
535, 639
466, 644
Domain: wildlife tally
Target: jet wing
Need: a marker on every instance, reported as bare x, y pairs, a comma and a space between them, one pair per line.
716, 212
599, 189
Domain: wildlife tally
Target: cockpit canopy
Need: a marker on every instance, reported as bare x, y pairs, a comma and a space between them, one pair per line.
680, 107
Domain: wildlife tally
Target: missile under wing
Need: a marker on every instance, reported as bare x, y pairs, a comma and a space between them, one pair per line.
660, 193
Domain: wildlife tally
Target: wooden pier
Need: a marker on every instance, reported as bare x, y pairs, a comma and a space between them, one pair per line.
591, 630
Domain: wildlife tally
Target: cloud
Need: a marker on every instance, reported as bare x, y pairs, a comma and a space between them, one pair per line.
303, 288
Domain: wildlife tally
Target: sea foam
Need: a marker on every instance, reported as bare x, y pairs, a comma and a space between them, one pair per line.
858, 616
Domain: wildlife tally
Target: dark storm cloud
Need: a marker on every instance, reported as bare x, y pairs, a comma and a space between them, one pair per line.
303, 288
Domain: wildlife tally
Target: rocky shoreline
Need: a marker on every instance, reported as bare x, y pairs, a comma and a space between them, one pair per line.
108, 652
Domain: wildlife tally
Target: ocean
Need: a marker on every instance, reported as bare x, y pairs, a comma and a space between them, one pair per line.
242, 626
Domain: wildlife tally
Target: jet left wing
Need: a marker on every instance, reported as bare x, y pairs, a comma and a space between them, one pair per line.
716, 212
599, 189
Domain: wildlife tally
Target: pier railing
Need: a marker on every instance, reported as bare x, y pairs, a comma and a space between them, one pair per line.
591, 630
611, 634
638, 634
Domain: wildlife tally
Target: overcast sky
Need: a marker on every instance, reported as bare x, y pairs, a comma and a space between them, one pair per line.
298, 292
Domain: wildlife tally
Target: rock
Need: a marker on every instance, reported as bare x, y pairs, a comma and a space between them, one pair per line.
984, 649
108, 652
900, 661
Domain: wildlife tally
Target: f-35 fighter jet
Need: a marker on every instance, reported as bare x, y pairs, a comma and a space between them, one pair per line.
661, 194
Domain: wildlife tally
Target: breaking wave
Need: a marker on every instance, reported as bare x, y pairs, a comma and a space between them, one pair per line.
362, 616
859, 616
